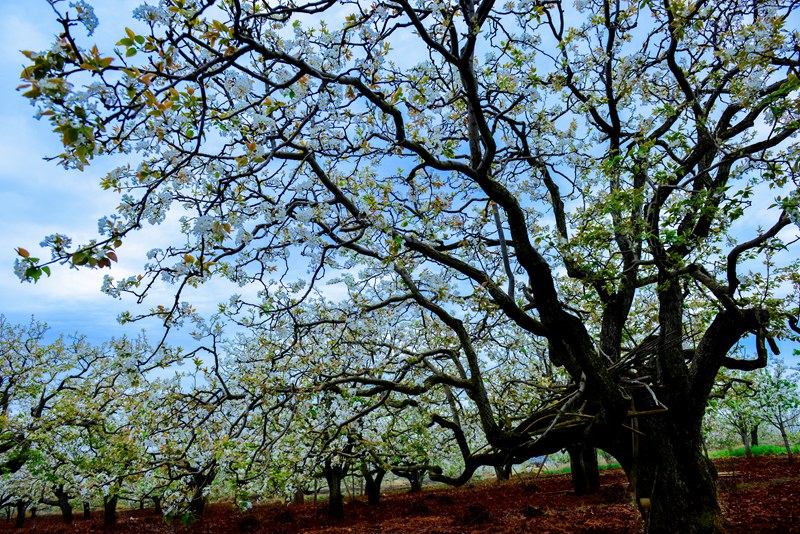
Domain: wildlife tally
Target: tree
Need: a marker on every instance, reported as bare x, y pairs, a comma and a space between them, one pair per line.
735, 405
44, 389
778, 398
473, 163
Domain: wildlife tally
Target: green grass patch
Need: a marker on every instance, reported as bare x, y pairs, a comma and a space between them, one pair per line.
735, 452
758, 450
613, 465
565, 470
559, 471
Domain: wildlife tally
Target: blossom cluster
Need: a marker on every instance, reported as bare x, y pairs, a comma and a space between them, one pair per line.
86, 15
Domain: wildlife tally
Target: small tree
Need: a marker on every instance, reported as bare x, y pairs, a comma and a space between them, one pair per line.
778, 398
735, 405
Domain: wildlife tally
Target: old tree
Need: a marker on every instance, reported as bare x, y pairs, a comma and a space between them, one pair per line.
612, 184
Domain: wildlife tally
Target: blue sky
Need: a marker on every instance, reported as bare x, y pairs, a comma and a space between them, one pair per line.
38, 198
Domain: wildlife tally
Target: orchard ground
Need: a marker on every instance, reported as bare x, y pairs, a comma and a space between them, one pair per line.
757, 494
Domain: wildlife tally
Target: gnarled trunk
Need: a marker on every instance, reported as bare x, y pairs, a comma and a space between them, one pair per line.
64, 505
674, 483
660, 447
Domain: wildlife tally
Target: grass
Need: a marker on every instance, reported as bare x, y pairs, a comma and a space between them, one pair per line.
565, 470
735, 452
757, 450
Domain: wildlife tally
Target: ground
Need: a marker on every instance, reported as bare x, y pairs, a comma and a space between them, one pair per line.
758, 495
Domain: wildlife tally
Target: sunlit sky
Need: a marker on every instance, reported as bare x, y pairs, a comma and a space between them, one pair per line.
38, 198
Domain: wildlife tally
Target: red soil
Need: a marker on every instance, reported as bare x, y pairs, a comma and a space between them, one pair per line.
758, 495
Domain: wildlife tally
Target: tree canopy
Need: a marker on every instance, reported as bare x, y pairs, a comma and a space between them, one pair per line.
607, 190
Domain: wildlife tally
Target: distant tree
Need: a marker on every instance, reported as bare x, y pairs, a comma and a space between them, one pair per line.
575, 170
735, 405
778, 398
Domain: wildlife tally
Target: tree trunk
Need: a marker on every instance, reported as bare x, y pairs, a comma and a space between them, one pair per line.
197, 506
786, 442
87, 511
21, 507
157, 506
66, 512
110, 511
199, 482
64, 505
503, 472
584, 468
745, 435
299, 497
334, 475
372, 484
673, 482
415, 478
754, 436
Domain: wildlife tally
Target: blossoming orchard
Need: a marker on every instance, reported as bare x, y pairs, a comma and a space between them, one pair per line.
466, 234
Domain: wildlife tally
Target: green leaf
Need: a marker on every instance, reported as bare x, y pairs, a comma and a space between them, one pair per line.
80, 258
33, 273
32, 93
69, 136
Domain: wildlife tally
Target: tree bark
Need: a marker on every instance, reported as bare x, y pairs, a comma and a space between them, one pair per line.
197, 506
503, 472
372, 484
584, 468
415, 478
21, 507
786, 442
334, 475
745, 435
110, 511
64, 505
87, 511
754, 436
199, 482
157, 506
673, 482
299, 497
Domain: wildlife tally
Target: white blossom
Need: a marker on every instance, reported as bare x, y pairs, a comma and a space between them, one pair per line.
86, 15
